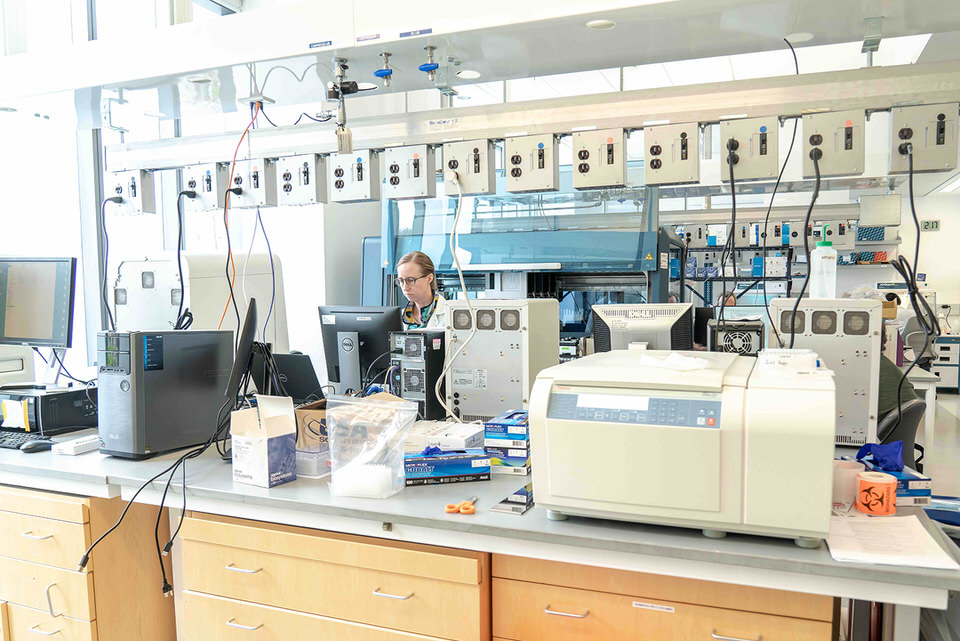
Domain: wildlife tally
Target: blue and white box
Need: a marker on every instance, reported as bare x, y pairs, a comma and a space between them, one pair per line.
455, 466
512, 425
265, 442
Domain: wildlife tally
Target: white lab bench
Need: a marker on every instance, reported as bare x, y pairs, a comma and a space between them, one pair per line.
416, 515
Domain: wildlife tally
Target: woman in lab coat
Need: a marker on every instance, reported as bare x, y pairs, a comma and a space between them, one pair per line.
427, 308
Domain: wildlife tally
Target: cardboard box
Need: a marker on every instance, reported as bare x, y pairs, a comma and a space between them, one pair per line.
313, 448
512, 425
448, 467
889, 310
264, 442
501, 456
445, 435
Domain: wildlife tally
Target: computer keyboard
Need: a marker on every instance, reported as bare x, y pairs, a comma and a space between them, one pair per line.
15, 440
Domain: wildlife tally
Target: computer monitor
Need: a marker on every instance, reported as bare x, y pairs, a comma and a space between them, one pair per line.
244, 356
663, 326
36, 301
354, 338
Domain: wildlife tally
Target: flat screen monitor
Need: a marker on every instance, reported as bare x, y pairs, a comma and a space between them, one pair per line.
662, 326
353, 339
36, 301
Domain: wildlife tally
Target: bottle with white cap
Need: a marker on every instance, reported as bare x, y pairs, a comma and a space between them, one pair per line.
823, 269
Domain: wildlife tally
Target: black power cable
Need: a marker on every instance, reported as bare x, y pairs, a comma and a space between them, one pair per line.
273, 276
815, 155
926, 317
730, 247
184, 317
106, 256
766, 219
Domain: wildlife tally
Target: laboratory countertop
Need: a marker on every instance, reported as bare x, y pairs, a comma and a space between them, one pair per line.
918, 375
210, 479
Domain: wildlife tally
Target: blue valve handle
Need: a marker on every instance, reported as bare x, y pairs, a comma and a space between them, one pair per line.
383, 73
427, 67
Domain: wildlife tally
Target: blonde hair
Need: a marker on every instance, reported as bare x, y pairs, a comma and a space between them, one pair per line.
422, 261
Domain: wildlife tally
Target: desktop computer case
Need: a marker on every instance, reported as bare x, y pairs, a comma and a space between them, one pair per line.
160, 391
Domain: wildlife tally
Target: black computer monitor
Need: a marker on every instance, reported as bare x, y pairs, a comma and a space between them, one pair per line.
353, 339
36, 301
244, 356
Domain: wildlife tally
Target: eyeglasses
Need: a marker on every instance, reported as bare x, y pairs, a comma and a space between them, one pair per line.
409, 281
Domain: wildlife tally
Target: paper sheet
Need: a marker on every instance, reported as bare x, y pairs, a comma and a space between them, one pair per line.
14, 415
890, 540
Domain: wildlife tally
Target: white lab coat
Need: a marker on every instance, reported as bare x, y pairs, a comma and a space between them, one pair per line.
438, 320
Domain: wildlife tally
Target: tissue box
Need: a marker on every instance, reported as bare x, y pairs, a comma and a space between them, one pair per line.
445, 435
264, 442
313, 449
455, 466
512, 425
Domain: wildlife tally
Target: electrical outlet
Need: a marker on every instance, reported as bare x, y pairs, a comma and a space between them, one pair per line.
137, 189
297, 180
757, 148
841, 235
249, 176
599, 158
474, 162
203, 180
696, 235
795, 235
410, 172
931, 130
532, 163
671, 154
837, 137
354, 177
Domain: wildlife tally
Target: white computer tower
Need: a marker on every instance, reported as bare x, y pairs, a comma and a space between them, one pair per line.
514, 341
846, 335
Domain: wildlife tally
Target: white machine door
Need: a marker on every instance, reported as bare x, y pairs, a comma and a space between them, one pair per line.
636, 448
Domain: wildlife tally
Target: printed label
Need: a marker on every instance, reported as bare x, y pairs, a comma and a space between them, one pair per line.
481, 379
653, 606
664, 260
463, 378
443, 124
417, 32
372, 36
328, 319
319, 45
482, 462
516, 429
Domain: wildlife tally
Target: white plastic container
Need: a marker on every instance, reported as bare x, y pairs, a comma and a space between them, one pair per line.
823, 271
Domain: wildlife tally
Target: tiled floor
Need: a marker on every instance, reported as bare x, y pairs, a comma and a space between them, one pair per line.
943, 463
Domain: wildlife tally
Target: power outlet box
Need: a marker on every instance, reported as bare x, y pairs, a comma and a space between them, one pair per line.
839, 137
599, 158
137, 189
248, 175
841, 235
931, 130
532, 163
795, 234
297, 180
757, 148
354, 177
410, 172
475, 164
696, 235
671, 154
203, 180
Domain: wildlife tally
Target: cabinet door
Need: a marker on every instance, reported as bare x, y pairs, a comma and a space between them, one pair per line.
27, 624
43, 540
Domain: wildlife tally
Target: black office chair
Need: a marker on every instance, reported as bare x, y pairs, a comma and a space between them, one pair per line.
888, 431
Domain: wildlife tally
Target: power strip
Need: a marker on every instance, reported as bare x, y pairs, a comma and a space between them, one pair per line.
78, 445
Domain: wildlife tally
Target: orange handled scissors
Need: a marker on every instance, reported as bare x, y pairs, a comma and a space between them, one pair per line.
463, 507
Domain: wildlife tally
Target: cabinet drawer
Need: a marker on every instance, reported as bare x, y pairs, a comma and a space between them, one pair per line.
209, 618
63, 507
24, 583
27, 624
665, 588
399, 601
43, 540
536, 612
948, 351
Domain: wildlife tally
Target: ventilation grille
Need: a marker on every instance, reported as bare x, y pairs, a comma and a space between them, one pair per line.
486, 319
798, 323
462, 319
681, 334
824, 322
413, 347
739, 343
856, 323
601, 334
510, 320
629, 311
470, 418
413, 380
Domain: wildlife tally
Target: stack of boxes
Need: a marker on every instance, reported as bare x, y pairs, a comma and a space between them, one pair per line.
506, 439
438, 452
913, 489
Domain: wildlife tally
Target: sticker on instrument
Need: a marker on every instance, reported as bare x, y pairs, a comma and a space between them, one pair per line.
664, 260
443, 124
437, 343
653, 606
320, 45
328, 319
463, 378
481, 379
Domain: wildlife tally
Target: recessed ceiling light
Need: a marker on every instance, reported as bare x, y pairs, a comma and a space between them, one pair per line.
468, 74
199, 80
366, 86
601, 25
8, 109
800, 36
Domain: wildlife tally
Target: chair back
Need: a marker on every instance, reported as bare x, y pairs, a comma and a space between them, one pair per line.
888, 430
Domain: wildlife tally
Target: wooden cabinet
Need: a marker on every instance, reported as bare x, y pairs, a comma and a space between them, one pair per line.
540, 600
388, 586
116, 597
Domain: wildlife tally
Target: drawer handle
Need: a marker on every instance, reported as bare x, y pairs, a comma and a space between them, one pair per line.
31, 535
566, 614
377, 592
36, 630
234, 568
249, 628
50, 601
714, 634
